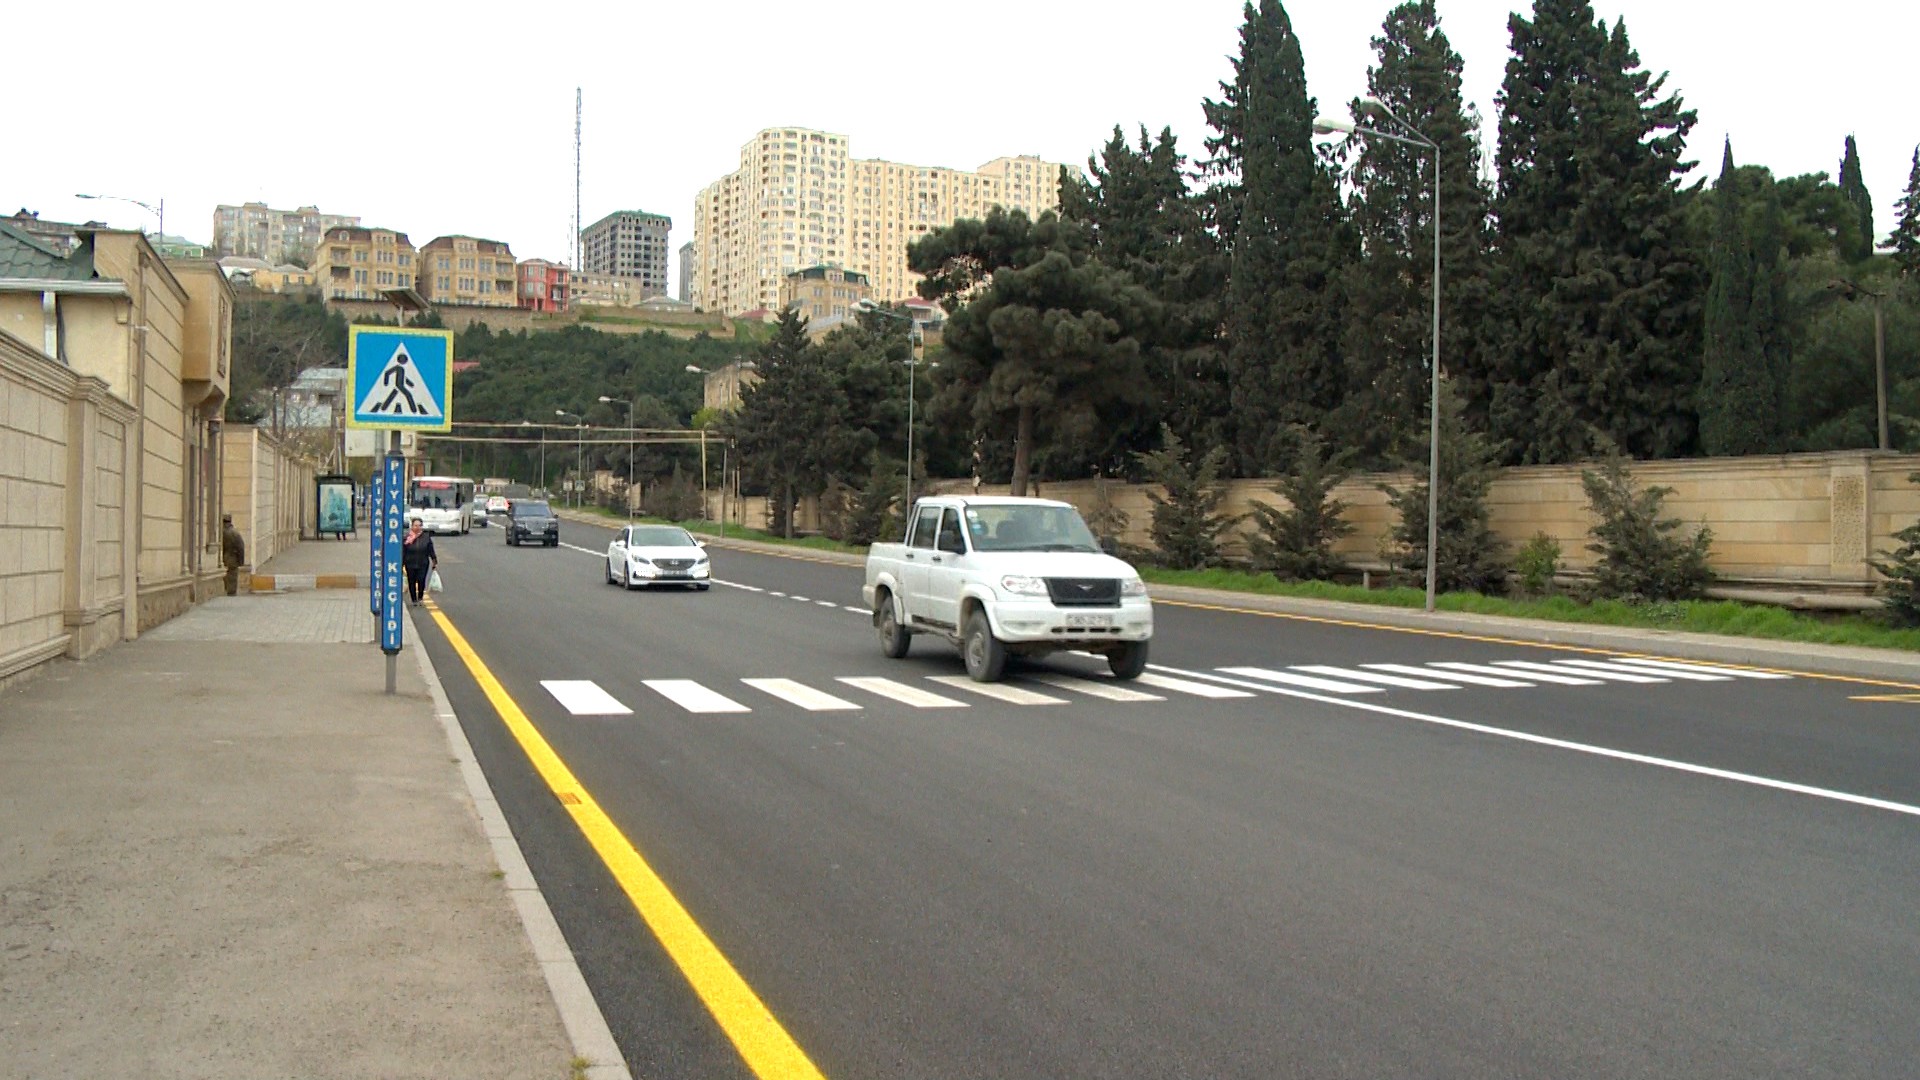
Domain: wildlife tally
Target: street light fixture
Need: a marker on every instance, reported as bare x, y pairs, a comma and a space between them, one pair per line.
913, 373
605, 400
159, 212
703, 456
543, 453
580, 453
1328, 126
1853, 289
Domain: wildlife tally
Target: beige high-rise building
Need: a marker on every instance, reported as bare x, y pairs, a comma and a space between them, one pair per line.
352, 263
467, 270
278, 236
799, 200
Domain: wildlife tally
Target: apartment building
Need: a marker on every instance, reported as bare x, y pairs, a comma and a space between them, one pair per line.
685, 276
629, 244
825, 296
354, 263
278, 236
467, 270
800, 199
544, 286
605, 290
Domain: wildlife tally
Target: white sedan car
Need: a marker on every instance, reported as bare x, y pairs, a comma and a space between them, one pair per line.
657, 555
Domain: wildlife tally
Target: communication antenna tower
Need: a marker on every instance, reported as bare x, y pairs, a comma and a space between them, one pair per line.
577, 223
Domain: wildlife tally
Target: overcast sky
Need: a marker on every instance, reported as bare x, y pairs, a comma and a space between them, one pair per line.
434, 118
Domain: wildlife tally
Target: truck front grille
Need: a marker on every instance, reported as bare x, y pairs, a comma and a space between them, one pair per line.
1084, 592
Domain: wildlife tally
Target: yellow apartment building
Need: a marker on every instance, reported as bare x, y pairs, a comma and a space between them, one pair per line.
824, 295
355, 263
800, 199
467, 270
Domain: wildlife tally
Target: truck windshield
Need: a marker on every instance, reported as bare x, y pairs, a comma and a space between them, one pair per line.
1028, 528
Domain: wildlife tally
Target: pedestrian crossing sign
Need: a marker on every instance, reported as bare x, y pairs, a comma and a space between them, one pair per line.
400, 378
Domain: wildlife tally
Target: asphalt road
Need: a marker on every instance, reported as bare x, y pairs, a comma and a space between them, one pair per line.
1600, 871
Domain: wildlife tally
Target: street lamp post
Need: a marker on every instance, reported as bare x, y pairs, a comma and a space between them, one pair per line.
703, 451
159, 212
1850, 288
913, 363
580, 452
1326, 126
605, 400
543, 452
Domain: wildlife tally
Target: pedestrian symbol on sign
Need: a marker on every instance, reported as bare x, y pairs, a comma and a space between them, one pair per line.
400, 391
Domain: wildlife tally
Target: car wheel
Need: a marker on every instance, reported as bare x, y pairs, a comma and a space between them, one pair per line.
986, 657
894, 639
1128, 660
609, 571
626, 580
509, 539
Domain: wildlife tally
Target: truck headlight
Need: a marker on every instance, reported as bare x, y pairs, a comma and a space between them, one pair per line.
1133, 586
1020, 585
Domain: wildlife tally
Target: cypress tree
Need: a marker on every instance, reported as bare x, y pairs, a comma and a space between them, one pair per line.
1743, 381
1388, 336
1906, 235
1854, 186
1279, 212
1597, 287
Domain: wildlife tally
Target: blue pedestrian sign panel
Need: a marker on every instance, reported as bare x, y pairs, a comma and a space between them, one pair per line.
392, 575
400, 378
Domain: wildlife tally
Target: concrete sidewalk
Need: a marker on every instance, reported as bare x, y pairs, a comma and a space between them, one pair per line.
225, 852
311, 564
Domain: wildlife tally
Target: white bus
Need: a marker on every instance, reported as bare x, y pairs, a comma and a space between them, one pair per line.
444, 504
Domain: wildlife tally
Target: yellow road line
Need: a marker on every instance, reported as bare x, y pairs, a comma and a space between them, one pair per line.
1909, 699
767, 1048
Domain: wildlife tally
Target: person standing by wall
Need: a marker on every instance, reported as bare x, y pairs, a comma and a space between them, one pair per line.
417, 556
233, 552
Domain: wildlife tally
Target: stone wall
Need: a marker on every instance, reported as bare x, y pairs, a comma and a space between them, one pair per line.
267, 489
63, 533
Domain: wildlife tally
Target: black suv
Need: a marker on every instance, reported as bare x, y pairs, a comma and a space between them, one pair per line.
531, 520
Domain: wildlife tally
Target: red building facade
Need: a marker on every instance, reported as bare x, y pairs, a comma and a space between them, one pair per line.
543, 285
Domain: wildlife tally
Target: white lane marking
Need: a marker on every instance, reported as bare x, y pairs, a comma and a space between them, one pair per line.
799, 694
1457, 676
1187, 686
584, 697
857, 610
1482, 669
1669, 665
1374, 677
1287, 678
775, 593
1107, 689
802, 599
693, 697
901, 692
1599, 667
998, 691
581, 550
737, 585
1609, 676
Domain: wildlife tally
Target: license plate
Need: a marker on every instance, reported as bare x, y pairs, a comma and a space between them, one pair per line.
1088, 620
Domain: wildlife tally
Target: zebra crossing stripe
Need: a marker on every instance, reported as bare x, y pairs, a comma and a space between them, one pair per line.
1548, 676
693, 697
1599, 666
584, 697
999, 691
1373, 677
901, 692
1188, 686
1305, 682
1605, 676
800, 694
1456, 676
1669, 665
1100, 688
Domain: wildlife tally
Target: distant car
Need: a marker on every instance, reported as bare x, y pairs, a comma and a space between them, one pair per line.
497, 504
530, 520
657, 555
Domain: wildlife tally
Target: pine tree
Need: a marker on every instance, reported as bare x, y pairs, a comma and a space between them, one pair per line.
791, 430
1906, 235
1641, 560
1854, 186
1598, 291
1296, 543
1470, 557
1187, 522
1279, 212
1745, 364
1388, 334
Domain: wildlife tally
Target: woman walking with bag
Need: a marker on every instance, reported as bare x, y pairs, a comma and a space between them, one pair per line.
417, 555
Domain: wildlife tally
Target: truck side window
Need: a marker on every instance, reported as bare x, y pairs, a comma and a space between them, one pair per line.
926, 526
950, 533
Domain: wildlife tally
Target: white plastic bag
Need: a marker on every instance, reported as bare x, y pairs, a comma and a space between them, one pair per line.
433, 581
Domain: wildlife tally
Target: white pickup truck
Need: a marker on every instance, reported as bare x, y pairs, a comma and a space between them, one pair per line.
999, 576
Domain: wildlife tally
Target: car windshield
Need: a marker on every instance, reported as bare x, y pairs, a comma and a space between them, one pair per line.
531, 509
661, 536
1016, 527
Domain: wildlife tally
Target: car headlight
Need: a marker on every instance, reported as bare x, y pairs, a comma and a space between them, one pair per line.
640, 560
1020, 585
701, 561
1133, 586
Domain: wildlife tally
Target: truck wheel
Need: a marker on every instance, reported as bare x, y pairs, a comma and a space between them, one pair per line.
986, 657
894, 639
1129, 660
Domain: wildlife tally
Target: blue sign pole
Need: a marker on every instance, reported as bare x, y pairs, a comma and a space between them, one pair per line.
392, 581
377, 549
